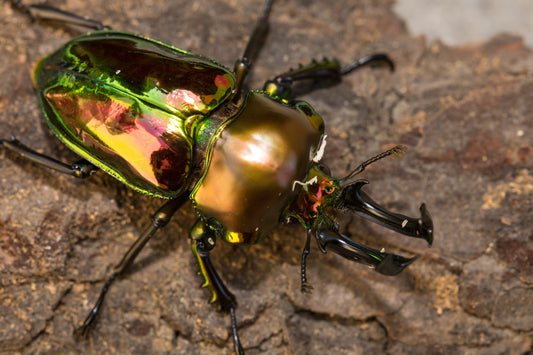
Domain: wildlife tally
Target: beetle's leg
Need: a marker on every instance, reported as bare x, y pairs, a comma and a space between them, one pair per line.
159, 220
317, 75
384, 263
202, 242
397, 150
255, 43
357, 201
306, 287
43, 12
79, 169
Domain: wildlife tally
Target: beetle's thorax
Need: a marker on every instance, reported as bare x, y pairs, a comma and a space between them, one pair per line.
203, 132
252, 164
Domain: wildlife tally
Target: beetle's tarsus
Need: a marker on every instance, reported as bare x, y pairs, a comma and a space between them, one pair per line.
306, 287
378, 58
236, 341
83, 331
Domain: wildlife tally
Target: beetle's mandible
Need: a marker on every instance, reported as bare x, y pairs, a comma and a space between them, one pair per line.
179, 126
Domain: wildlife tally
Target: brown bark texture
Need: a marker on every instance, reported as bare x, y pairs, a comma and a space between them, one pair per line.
464, 112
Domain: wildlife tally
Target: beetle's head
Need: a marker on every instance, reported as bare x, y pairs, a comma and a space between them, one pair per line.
317, 193
321, 193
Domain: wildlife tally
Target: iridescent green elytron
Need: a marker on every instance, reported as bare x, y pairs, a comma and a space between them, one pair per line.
130, 105
176, 125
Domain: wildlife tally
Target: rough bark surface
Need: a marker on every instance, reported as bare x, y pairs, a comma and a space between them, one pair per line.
465, 113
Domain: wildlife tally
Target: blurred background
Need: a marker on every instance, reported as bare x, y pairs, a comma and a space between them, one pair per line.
457, 22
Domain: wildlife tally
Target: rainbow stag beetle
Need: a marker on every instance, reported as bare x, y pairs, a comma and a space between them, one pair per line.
178, 126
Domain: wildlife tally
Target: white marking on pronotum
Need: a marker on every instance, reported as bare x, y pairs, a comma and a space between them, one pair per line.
320, 151
382, 250
308, 182
404, 223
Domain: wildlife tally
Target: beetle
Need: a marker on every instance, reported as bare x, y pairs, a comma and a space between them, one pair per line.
178, 126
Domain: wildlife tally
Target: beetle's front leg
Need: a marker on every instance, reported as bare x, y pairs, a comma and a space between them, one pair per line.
79, 169
202, 242
317, 75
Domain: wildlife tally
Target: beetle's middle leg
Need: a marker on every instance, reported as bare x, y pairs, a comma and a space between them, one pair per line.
202, 242
159, 220
80, 169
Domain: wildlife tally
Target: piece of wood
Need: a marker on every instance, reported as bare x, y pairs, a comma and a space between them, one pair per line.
464, 112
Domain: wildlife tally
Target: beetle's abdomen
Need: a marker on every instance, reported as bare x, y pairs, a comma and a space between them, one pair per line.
130, 105
253, 165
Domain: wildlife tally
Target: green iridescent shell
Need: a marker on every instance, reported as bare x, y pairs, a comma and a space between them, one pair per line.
129, 105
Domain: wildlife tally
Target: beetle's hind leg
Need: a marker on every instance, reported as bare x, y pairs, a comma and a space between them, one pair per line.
202, 242
80, 169
318, 75
159, 220
43, 12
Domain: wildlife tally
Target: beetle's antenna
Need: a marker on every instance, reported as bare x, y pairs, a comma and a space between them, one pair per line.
255, 43
397, 150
